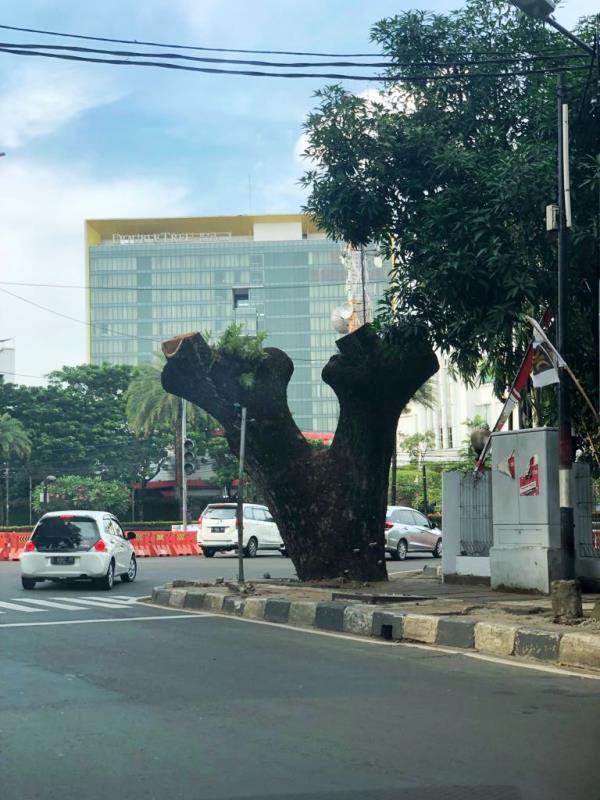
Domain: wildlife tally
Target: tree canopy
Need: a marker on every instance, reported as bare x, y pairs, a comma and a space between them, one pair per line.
450, 165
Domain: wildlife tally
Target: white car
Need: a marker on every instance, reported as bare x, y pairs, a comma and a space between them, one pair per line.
78, 544
217, 529
409, 531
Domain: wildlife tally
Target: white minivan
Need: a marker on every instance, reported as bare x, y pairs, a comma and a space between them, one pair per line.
217, 529
78, 544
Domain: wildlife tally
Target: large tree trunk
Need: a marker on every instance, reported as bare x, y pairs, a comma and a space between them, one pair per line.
329, 504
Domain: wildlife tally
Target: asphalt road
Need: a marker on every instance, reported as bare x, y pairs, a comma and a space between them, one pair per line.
179, 705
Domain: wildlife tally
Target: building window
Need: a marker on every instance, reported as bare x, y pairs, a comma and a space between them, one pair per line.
241, 298
450, 443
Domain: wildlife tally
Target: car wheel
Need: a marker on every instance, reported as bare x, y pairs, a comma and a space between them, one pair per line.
27, 583
394, 555
437, 551
401, 550
129, 576
208, 552
108, 580
251, 548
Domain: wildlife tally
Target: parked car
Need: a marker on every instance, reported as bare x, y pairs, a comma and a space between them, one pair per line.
409, 531
217, 529
78, 544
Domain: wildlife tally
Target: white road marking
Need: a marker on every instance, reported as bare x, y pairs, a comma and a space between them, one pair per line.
16, 607
95, 621
95, 603
113, 598
50, 604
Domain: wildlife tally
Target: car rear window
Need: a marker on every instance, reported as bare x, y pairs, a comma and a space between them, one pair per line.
220, 512
54, 534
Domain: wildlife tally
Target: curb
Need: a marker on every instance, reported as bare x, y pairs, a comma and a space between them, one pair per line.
578, 650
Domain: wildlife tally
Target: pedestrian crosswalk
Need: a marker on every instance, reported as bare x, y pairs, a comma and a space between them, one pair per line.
32, 605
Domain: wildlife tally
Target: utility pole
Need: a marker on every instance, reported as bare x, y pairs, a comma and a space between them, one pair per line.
425, 500
564, 410
240, 498
362, 283
6, 490
394, 470
184, 498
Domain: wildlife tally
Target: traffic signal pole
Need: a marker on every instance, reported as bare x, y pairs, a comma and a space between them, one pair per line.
184, 498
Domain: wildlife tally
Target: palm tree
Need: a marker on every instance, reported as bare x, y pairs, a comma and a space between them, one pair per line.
425, 396
14, 440
149, 408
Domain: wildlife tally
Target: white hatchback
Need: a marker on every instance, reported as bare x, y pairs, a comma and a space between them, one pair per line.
217, 529
78, 544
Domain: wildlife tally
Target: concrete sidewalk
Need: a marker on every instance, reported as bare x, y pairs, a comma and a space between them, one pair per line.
408, 607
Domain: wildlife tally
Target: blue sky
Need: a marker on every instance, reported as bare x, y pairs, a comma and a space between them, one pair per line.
98, 141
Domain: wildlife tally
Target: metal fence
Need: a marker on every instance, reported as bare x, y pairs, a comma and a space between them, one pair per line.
476, 532
587, 519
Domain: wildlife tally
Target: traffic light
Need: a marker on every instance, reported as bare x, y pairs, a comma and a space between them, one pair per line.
189, 456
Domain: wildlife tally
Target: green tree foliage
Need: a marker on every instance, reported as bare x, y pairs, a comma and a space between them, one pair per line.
417, 445
82, 492
78, 425
14, 440
452, 175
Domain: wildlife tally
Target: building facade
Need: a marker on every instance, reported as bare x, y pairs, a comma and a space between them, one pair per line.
150, 279
454, 404
7, 360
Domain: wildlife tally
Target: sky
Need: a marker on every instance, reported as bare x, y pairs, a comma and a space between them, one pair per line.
92, 141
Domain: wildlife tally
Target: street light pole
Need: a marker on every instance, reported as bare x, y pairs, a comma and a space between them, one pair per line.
565, 459
240, 498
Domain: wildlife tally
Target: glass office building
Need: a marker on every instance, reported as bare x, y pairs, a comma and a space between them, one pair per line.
151, 279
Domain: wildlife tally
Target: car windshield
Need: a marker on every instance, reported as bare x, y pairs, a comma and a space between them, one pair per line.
220, 512
58, 534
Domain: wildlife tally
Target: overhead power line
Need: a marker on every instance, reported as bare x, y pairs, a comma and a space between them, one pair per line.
417, 63
142, 43
389, 77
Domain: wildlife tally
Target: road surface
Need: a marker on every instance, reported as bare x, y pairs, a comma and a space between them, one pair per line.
114, 698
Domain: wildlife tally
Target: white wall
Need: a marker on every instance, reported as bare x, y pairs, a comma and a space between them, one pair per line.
7, 363
277, 231
455, 404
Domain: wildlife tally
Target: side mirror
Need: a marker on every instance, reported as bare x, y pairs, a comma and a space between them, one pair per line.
129, 535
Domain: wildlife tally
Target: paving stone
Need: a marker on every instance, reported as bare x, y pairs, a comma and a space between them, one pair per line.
277, 610
302, 613
420, 628
358, 619
580, 650
213, 601
233, 605
254, 608
177, 597
160, 596
456, 632
495, 638
194, 600
330, 616
535, 643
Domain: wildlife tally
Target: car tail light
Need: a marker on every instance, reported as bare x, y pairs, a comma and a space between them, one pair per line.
200, 520
30, 547
66, 516
388, 525
100, 546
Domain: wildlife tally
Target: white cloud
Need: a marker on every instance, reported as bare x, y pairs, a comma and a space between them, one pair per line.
42, 210
40, 100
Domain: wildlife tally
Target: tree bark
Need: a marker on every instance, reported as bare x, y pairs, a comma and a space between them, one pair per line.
329, 504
